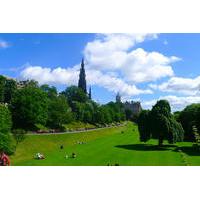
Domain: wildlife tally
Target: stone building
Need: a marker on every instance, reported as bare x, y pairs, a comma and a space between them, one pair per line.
134, 106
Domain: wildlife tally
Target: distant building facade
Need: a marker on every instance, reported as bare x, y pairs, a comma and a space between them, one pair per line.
134, 106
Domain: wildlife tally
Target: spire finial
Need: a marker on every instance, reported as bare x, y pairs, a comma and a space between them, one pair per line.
82, 62
90, 93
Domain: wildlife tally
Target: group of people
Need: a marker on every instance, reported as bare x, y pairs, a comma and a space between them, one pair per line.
4, 159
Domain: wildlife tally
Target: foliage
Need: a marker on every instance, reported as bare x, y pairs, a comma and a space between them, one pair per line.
51, 91
2, 88
74, 93
77, 125
59, 112
19, 135
188, 118
159, 124
6, 144
10, 89
196, 136
5, 119
144, 126
5, 127
29, 106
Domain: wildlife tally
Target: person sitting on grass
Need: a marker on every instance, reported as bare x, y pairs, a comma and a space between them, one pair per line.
73, 155
39, 156
4, 159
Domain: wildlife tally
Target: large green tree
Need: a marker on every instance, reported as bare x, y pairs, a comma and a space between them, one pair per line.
10, 89
59, 112
190, 117
29, 107
2, 87
5, 129
74, 93
159, 124
144, 125
50, 90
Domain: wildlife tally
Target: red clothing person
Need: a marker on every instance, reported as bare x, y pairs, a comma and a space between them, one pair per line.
4, 160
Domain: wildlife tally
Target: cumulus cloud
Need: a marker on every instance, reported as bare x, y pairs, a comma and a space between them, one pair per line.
69, 76
187, 86
45, 75
112, 63
177, 103
4, 44
114, 52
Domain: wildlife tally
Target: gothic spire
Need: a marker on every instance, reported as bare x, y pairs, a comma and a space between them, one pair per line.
90, 93
118, 98
82, 78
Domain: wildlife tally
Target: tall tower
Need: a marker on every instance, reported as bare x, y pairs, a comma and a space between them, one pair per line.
90, 93
118, 98
82, 78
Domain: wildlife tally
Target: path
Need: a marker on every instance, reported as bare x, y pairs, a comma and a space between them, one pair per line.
71, 132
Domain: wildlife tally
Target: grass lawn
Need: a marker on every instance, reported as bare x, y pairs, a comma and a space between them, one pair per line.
119, 145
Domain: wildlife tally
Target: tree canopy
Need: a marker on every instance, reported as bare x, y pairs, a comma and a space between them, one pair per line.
29, 106
159, 124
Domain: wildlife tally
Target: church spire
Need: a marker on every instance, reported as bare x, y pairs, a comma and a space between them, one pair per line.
118, 98
90, 93
82, 78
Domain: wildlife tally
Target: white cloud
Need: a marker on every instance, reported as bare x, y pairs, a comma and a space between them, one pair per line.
45, 75
4, 44
113, 52
177, 103
108, 51
187, 86
69, 76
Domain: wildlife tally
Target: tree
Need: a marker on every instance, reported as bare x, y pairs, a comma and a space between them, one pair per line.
2, 88
29, 106
6, 143
5, 119
5, 129
74, 93
19, 135
129, 114
51, 91
144, 125
10, 89
159, 124
189, 117
59, 112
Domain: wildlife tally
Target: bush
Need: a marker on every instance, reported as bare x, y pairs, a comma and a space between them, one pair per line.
39, 127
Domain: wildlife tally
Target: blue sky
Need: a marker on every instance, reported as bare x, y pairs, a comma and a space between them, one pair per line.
144, 67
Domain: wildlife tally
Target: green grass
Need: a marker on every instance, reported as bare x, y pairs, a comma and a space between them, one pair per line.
106, 146
78, 125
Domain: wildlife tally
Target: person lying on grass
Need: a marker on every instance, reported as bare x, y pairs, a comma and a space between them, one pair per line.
39, 156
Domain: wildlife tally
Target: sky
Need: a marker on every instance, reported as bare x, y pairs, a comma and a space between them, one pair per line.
141, 67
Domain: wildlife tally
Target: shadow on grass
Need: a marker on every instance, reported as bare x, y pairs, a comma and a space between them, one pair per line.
145, 147
189, 150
